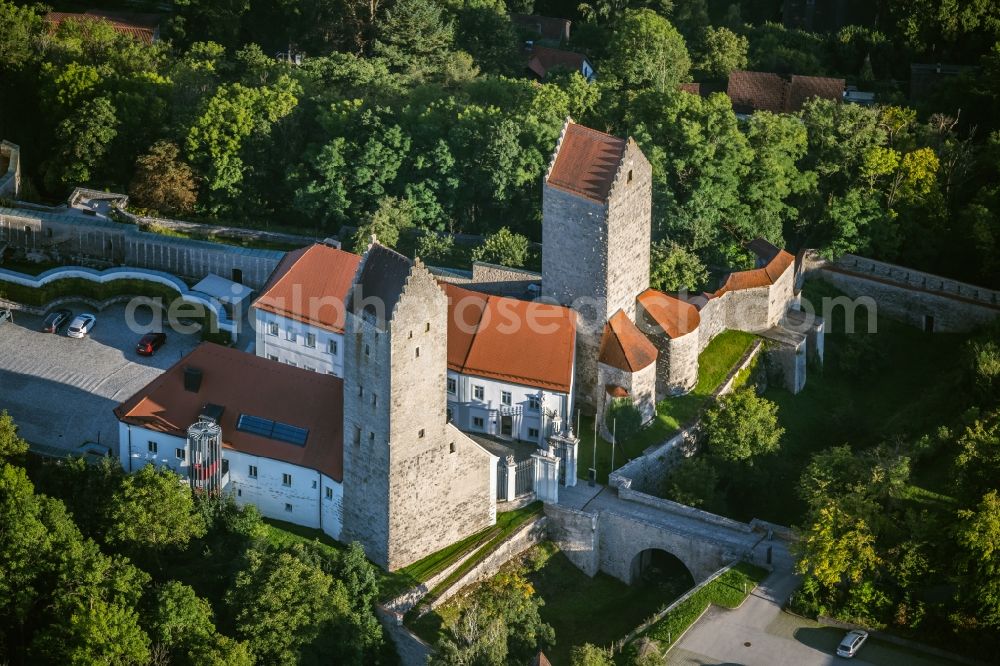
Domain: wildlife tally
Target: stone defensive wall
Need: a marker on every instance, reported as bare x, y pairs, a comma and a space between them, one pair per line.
924, 300
752, 301
492, 279
10, 170
70, 233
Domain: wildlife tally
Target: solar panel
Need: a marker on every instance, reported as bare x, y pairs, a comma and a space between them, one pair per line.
282, 432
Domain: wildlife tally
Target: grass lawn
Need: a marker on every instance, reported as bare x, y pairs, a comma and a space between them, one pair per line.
896, 383
581, 609
714, 365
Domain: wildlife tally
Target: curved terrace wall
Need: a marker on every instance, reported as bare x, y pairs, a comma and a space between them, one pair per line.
111, 275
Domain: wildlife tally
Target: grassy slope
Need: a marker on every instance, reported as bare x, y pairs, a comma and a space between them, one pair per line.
714, 365
913, 386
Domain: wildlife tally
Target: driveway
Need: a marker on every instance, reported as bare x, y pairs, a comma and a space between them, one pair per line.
61, 391
759, 633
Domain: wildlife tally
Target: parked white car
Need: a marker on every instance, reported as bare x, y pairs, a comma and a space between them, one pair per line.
852, 643
81, 326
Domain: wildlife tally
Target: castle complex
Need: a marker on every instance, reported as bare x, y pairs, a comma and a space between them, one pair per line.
374, 376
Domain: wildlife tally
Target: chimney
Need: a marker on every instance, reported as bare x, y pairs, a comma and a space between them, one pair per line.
192, 379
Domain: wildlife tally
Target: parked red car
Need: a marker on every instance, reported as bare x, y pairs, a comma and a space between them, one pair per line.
149, 343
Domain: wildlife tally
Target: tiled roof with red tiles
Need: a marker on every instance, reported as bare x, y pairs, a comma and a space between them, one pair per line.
693, 88
586, 162
520, 342
310, 286
675, 317
766, 91
623, 345
542, 59
142, 27
758, 277
242, 383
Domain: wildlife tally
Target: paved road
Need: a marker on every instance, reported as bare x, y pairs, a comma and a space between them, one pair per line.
61, 391
759, 633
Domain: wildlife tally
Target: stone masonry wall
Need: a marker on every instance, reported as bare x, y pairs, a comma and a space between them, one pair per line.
629, 228
10, 170
71, 234
677, 367
439, 479
640, 385
575, 532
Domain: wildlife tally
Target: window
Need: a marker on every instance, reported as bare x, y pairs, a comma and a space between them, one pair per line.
420, 434
314, 485
361, 391
329, 493
282, 432
252, 472
505, 398
357, 436
286, 479
288, 507
418, 352
291, 363
368, 350
452, 386
180, 453
309, 368
374, 400
310, 339
533, 433
272, 357
331, 347
629, 176
451, 447
477, 422
152, 446
478, 392
272, 328
239, 492
371, 436
534, 403
290, 335
427, 327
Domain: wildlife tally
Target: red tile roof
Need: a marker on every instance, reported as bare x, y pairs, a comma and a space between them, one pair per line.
765, 91
623, 345
693, 88
521, 342
758, 277
587, 162
542, 59
674, 316
310, 285
615, 391
139, 26
246, 384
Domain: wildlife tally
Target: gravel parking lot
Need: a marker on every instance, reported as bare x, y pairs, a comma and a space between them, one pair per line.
61, 391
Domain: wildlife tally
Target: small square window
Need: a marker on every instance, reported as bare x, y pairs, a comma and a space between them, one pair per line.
310, 339
329, 493
478, 392
533, 433
181, 454
420, 433
252, 472
505, 398
478, 423
534, 403
286, 479
331, 347
452, 386
410, 336
427, 327
451, 447
272, 328
288, 507
152, 446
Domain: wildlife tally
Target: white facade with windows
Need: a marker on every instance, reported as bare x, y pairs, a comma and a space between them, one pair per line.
278, 489
493, 407
299, 344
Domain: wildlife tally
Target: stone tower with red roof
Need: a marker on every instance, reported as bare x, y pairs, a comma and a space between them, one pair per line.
596, 233
413, 483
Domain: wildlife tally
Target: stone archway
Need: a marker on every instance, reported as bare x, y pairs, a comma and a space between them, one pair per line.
658, 566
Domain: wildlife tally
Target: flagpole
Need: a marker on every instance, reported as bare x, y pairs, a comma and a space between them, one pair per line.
614, 440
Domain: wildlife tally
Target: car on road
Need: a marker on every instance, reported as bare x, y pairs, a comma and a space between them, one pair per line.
149, 343
56, 320
81, 326
851, 643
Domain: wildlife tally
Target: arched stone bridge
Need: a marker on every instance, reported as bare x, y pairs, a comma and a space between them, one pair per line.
614, 530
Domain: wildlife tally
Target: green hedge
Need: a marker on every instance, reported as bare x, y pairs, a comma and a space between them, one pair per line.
727, 591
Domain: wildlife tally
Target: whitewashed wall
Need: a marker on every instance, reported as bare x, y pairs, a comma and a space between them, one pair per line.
465, 407
295, 351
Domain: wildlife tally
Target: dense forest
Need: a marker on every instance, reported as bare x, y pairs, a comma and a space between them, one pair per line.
421, 114
99, 567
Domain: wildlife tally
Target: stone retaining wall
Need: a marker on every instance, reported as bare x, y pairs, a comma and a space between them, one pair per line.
575, 532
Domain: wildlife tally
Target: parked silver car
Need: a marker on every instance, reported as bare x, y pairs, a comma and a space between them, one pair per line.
852, 643
81, 326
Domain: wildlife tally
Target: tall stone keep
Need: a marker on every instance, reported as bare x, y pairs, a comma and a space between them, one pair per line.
412, 482
596, 227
